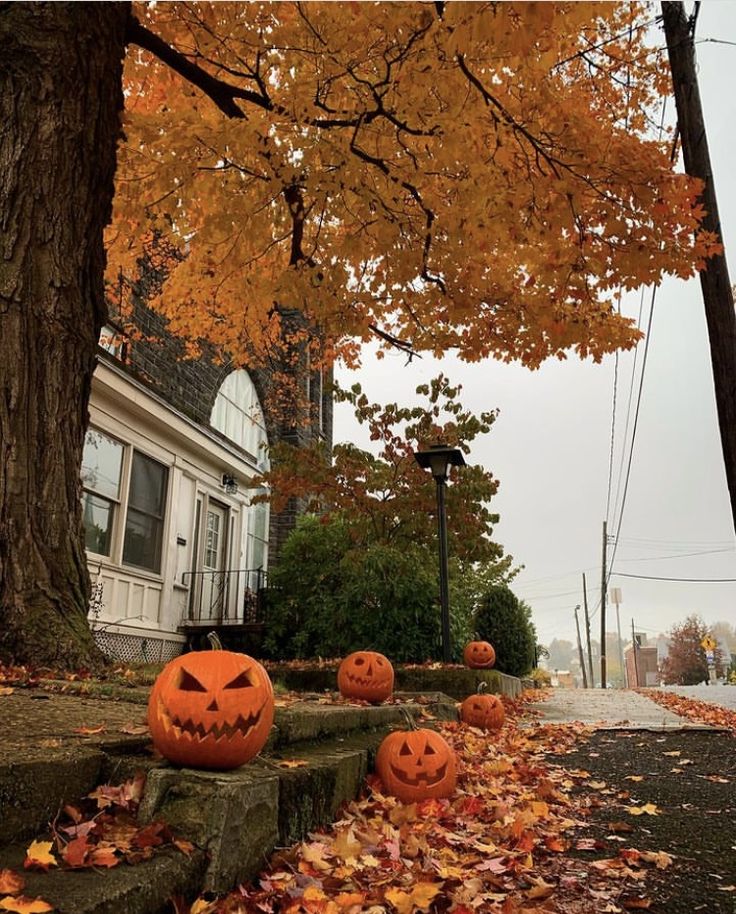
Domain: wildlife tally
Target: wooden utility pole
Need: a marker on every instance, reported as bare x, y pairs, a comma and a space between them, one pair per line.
587, 634
604, 584
580, 649
714, 279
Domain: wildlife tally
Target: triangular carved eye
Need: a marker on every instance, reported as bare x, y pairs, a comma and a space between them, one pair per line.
405, 750
241, 681
190, 683
429, 750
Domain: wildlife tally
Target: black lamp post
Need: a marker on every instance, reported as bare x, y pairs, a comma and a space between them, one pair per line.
438, 459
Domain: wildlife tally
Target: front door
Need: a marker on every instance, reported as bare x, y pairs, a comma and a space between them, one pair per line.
214, 578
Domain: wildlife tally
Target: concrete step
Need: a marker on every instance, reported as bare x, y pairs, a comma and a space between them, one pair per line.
316, 760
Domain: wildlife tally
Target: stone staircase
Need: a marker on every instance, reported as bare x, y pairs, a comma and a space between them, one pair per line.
234, 819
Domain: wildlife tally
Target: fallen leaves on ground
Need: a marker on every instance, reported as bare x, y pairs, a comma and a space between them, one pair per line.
501, 844
22, 905
693, 709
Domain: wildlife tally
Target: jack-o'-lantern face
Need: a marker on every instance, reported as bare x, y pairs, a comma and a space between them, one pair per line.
484, 711
367, 675
417, 765
479, 655
211, 709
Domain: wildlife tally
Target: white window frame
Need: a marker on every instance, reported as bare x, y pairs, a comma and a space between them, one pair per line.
117, 534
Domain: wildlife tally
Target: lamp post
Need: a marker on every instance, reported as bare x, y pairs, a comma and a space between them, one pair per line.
437, 460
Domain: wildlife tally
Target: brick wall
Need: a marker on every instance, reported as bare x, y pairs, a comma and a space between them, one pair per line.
158, 360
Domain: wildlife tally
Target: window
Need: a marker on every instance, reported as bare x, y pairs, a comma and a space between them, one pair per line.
112, 341
238, 415
257, 543
101, 470
145, 519
119, 482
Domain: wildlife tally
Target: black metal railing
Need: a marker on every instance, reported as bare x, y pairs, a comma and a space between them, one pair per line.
236, 595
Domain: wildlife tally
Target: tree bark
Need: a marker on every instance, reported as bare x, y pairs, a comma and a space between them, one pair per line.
60, 103
714, 279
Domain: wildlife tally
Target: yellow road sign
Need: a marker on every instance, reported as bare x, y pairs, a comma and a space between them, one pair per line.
709, 643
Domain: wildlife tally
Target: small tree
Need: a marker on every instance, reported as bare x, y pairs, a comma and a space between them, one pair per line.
686, 662
506, 622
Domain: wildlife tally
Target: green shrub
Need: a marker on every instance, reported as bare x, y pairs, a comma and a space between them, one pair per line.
506, 622
331, 595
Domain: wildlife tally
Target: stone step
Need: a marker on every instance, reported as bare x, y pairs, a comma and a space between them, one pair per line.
456, 682
235, 819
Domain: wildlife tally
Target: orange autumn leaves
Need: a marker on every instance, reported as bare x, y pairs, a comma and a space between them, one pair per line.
500, 843
454, 175
100, 832
12, 899
700, 711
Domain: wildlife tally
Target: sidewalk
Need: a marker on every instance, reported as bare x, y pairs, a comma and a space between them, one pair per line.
610, 709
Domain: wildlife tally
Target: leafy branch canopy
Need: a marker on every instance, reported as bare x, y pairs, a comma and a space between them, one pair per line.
478, 176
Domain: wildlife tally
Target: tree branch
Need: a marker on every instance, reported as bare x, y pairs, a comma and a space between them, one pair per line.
222, 93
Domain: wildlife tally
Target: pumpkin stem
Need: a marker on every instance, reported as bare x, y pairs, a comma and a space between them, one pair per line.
214, 640
482, 687
411, 723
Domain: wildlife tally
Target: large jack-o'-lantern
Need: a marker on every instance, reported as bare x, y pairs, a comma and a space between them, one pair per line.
211, 709
417, 764
484, 711
367, 675
479, 655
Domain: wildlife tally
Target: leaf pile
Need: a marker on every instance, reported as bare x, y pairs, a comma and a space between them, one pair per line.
691, 708
499, 845
99, 832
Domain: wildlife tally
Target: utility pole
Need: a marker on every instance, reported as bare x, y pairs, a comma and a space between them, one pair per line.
587, 634
616, 599
604, 584
714, 279
633, 647
580, 648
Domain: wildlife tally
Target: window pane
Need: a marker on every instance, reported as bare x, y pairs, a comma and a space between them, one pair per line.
142, 546
97, 514
147, 485
101, 464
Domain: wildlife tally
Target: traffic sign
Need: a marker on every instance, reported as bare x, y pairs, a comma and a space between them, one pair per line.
709, 643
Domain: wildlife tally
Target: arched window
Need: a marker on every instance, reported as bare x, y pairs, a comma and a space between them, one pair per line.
238, 415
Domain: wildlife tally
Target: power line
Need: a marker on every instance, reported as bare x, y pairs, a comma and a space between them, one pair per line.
648, 577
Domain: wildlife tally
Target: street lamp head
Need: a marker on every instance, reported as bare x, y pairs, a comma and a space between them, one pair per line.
438, 458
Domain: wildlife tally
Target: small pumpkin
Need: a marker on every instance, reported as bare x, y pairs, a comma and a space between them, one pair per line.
484, 711
417, 764
479, 655
367, 675
211, 709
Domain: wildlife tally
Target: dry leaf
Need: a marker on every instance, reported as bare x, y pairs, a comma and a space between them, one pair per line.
11, 883
293, 763
39, 856
6, 690
22, 905
649, 809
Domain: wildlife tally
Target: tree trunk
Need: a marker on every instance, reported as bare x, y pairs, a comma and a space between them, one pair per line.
714, 279
60, 104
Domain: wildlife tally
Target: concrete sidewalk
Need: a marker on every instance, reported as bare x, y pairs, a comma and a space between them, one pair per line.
610, 709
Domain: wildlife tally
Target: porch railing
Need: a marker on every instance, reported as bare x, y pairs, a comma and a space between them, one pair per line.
236, 595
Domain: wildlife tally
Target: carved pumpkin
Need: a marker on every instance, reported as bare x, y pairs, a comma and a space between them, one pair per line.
416, 765
479, 655
367, 675
211, 709
484, 711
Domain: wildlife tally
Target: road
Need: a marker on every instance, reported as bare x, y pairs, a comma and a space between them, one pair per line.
609, 709
724, 695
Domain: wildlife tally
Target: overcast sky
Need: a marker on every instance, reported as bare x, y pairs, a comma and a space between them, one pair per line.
550, 446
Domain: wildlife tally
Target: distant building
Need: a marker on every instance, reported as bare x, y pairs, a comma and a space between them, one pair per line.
563, 679
642, 665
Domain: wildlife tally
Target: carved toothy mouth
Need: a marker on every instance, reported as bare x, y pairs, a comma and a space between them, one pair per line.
242, 726
364, 681
422, 777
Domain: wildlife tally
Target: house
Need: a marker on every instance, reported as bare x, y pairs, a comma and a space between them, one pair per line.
642, 663
176, 545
